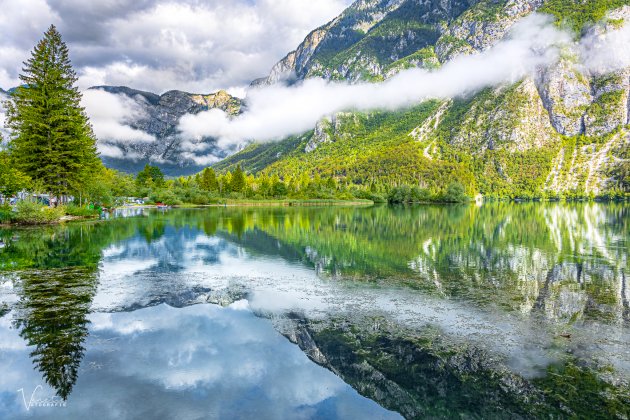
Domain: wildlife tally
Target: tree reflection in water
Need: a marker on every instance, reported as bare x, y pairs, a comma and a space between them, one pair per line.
52, 316
56, 280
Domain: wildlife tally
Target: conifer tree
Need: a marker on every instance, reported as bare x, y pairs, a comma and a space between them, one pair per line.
11, 179
150, 176
238, 180
52, 139
209, 180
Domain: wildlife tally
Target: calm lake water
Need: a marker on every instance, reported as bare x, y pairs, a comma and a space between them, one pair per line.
497, 311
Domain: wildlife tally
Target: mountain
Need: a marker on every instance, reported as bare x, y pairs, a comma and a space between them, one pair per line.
158, 116
155, 119
369, 40
563, 131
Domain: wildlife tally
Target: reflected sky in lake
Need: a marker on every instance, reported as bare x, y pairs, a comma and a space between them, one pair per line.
177, 313
201, 361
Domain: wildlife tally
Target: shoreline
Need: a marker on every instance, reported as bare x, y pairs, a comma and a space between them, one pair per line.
258, 203
228, 203
282, 203
59, 221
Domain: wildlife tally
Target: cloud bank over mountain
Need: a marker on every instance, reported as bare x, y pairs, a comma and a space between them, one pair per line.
532, 44
603, 53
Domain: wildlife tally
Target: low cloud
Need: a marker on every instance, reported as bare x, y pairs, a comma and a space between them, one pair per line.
606, 52
201, 160
110, 115
279, 111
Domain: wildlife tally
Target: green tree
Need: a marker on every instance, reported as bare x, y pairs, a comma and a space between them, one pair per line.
265, 186
208, 180
150, 176
278, 188
11, 179
122, 184
52, 139
455, 193
331, 183
238, 180
225, 183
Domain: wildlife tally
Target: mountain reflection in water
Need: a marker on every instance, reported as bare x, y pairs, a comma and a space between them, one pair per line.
494, 302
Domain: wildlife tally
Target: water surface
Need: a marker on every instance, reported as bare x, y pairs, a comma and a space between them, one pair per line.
501, 310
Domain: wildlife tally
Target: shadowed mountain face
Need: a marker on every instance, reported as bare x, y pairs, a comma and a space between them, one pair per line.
158, 117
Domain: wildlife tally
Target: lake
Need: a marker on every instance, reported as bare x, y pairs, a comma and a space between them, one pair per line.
494, 311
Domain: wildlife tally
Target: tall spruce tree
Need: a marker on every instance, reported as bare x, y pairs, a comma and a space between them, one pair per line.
53, 141
238, 180
208, 180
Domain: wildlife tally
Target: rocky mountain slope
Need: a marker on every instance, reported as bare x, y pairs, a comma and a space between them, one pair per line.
560, 132
158, 116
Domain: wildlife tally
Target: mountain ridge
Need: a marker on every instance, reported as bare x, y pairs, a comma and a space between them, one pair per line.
159, 116
567, 126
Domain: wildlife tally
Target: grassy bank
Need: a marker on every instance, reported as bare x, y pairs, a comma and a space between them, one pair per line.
31, 213
264, 203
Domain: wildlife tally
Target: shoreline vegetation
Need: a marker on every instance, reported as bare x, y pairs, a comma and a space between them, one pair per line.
33, 214
28, 213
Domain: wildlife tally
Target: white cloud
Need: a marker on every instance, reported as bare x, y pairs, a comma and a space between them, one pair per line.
107, 150
277, 111
21, 25
161, 45
201, 160
109, 115
606, 52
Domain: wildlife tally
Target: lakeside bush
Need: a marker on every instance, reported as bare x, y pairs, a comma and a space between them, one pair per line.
407, 194
369, 195
33, 213
80, 211
7, 215
455, 193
